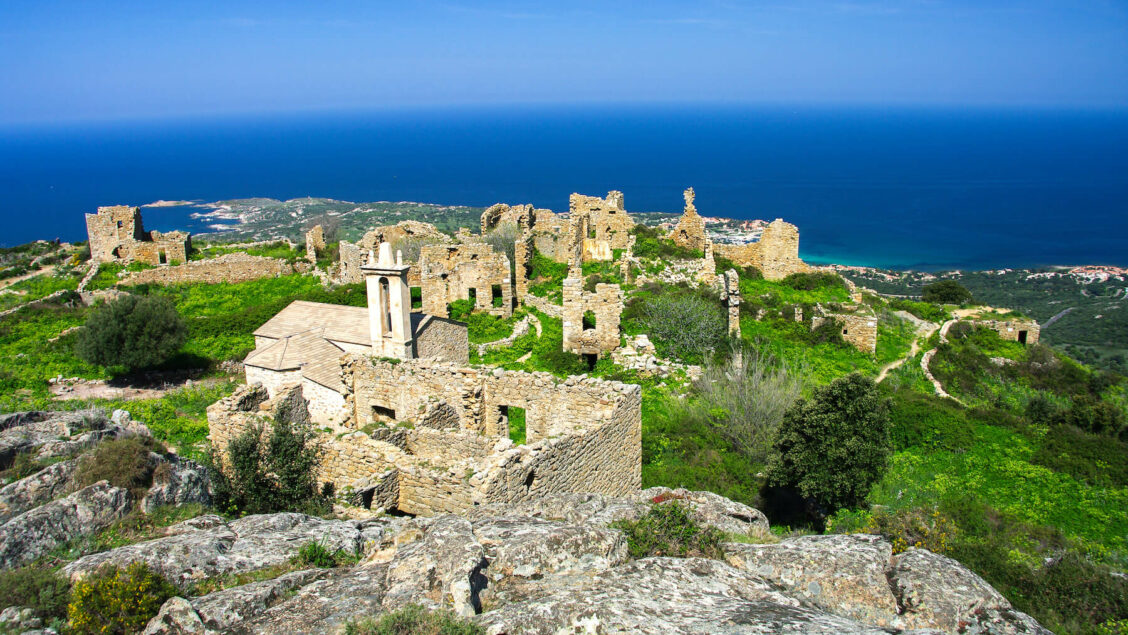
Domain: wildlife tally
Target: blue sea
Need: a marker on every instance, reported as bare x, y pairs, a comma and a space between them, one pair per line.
891, 187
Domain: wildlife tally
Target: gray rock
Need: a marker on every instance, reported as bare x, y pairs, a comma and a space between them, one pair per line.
35, 532
182, 482
230, 607
176, 617
935, 591
206, 547
325, 605
38, 489
710, 509
840, 574
441, 570
667, 595
569, 508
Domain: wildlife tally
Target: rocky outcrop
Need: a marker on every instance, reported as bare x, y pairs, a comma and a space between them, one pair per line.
38, 489
35, 532
177, 481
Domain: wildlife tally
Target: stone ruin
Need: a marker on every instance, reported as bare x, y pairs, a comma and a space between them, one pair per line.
597, 225
117, 234
858, 321
468, 271
690, 230
353, 254
314, 241
591, 319
233, 267
424, 437
730, 295
1021, 330
776, 254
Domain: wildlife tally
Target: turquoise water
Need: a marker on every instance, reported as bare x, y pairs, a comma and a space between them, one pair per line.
919, 188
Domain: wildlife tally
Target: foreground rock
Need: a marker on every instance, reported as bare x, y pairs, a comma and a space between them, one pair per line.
40, 488
36, 532
555, 566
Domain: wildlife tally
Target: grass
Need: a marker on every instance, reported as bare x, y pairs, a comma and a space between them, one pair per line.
670, 530
414, 620
38, 287
484, 327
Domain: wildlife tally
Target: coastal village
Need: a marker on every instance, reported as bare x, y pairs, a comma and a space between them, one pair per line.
428, 447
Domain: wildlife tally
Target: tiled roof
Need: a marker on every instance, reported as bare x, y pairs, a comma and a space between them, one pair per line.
340, 323
316, 356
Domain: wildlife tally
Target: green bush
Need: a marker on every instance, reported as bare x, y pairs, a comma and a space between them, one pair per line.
746, 273
460, 310
114, 600
684, 325
316, 554
670, 530
132, 333
415, 620
484, 327
123, 462
276, 476
922, 310
38, 588
652, 244
946, 292
833, 447
1095, 459
926, 420
813, 281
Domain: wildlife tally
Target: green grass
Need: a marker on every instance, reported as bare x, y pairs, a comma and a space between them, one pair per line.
30, 359
483, 327
38, 287
278, 249
546, 276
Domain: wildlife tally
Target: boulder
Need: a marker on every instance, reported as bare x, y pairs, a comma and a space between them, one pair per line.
207, 546
441, 570
35, 532
176, 617
840, 574
711, 509
177, 481
935, 591
38, 489
227, 608
325, 605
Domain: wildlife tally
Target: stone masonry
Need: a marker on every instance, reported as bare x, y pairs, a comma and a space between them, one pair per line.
457, 272
314, 241
1022, 331
859, 324
605, 305
730, 294
352, 255
235, 267
117, 234
776, 255
435, 436
690, 230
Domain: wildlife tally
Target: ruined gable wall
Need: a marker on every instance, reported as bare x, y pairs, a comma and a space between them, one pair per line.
443, 340
859, 329
776, 255
236, 267
326, 406
1009, 329
314, 240
448, 272
690, 230
117, 234
607, 305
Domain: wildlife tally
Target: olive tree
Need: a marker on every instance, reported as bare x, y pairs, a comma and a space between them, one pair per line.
132, 332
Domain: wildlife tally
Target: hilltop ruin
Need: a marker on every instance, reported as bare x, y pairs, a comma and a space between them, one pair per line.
116, 234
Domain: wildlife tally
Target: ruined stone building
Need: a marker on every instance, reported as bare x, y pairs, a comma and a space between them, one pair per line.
776, 254
690, 230
858, 321
471, 271
314, 241
591, 319
116, 234
436, 437
598, 225
352, 255
1021, 330
303, 342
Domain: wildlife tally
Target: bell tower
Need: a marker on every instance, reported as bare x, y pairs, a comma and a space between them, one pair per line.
389, 305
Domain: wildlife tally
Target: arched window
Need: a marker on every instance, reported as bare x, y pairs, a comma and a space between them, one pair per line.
385, 310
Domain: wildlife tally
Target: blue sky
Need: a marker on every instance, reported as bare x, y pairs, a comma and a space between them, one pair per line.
121, 60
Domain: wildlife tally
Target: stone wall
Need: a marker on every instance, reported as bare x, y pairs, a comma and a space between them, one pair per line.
117, 234
353, 255
859, 325
314, 240
730, 294
443, 340
776, 255
690, 230
606, 304
1024, 331
236, 267
582, 434
451, 272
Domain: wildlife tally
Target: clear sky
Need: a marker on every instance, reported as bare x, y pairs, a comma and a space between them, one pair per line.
63, 60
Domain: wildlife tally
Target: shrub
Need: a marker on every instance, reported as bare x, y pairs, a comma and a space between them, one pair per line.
917, 419
669, 530
905, 528
946, 292
833, 447
38, 588
123, 462
746, 400
922, 310
460, 310
685, 325
414, 620
131, 333
276, 476
316, 554
813, 281
503, 240
114, 600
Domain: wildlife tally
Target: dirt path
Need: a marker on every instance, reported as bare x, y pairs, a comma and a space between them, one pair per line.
927, 359
924, 330
99, 389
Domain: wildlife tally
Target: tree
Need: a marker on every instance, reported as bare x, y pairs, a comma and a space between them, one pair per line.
685, 325
947, 292
833, 447
132, 332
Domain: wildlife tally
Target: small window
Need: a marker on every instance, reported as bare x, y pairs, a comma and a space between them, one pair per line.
162, 258
119, 224
495, 295
844, 331
589, 320
513, 418
472, 294
417, 297
382, 413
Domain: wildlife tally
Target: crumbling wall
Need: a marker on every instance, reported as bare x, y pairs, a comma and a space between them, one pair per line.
690, 230
1025, 331
608, 223
353, 255
730, 294
117, 234
455, 272
606, 303
859, 325
314, 241
776, 255
235, 267
443, 340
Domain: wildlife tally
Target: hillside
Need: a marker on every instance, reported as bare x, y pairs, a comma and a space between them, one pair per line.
1022, 477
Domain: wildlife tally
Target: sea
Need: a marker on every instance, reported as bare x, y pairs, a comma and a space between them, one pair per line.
894, 187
